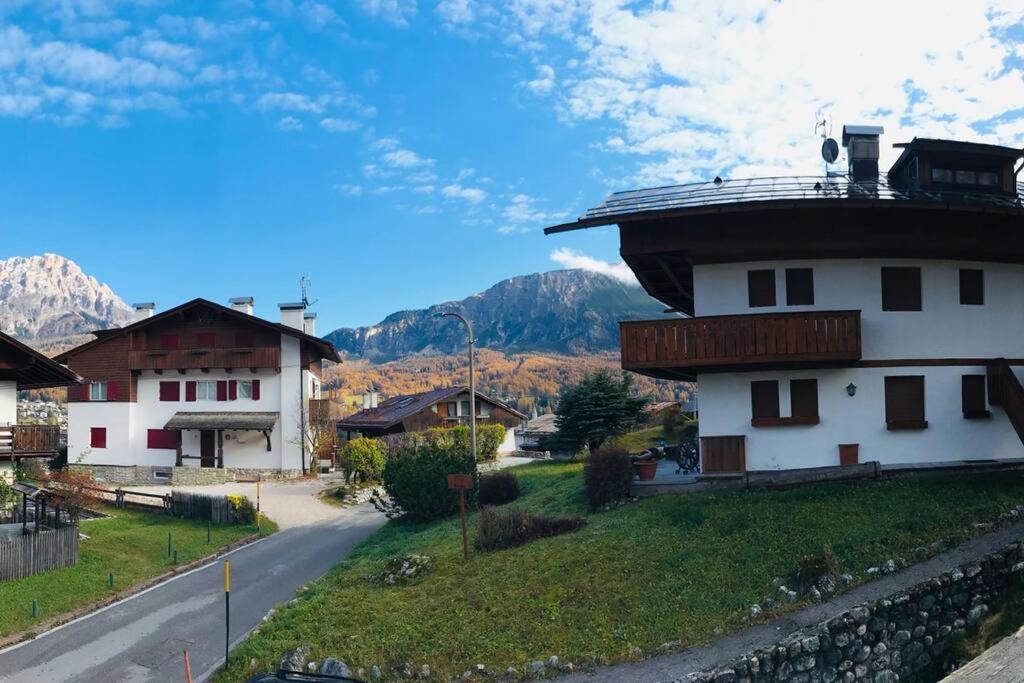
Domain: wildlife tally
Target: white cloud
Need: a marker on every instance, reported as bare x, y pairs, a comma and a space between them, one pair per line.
289, 124
288, 101
396, 12
573, 259
385, 143
350, 190
473, 195
456, 12
522, 209
318, 14
333, 125
424, 189
405, 158
544, 82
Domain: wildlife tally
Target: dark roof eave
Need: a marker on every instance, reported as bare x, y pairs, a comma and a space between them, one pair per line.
620, 218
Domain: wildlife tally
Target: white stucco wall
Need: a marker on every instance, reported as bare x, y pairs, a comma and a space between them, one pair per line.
942, 329
8, 402
724, 402
116, 418
294, 383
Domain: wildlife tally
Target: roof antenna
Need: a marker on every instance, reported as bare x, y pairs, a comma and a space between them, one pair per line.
304, 285
829, 147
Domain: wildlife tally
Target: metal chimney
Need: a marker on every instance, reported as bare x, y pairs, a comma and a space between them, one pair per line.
861, 143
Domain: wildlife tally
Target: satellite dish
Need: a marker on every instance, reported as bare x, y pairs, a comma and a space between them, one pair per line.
829, 150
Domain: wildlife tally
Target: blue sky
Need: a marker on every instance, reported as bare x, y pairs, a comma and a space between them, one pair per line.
402, 153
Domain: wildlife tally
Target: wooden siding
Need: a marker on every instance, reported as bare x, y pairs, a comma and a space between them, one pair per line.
23, 556
16, 440
107, 362
723, 454
730, 342
251, 357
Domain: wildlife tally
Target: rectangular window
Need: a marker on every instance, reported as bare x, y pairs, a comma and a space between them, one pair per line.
799, 286
761, 288
169, 341
988, 179
162, 438
942, 175
803, 400
170, 391
245, 388
206, 340
973, 391
465, 408
972, 287
764, 399
453, 409
98, 437
98, 391
966, 178
901, 289
190, 391
904, 402
206, 390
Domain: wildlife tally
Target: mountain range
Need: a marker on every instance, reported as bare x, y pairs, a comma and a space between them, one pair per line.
572, 312
49, 297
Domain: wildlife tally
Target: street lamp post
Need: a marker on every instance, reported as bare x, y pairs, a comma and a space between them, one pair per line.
472, 381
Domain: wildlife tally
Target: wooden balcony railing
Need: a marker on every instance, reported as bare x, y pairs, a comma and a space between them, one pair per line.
678, 347
191, 359
1005, 391
29, 439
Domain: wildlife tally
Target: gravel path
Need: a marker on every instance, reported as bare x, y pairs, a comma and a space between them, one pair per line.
729, 648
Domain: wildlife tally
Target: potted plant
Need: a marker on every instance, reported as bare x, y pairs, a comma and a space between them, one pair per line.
645, 465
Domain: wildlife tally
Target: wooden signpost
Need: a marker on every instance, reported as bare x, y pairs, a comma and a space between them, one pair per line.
462, 483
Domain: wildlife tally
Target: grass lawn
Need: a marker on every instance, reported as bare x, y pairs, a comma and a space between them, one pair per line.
130, 543
636, 442
673, 567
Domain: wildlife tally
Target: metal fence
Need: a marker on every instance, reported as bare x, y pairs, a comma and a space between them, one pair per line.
30, 554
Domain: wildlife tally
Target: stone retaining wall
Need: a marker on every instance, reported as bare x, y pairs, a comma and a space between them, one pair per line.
902, 637
144, 475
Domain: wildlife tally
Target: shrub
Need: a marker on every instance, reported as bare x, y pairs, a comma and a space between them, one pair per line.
498, 488
607, 475
488, 439
362, 459
243, 509
416, 479
510, 527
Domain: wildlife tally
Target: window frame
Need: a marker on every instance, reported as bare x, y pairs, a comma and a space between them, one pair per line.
895, 419
893, 285
206, 383
759, 295
970, 272
244, 390
98, 391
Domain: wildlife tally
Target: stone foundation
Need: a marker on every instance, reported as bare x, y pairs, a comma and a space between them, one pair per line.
145, 475
902, 637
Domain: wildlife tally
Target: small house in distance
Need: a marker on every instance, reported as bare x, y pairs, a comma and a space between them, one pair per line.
537, 431
437, 408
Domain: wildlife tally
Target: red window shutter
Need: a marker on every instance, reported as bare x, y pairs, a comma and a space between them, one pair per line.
78, 392
206, 340
112, 387
166, 439
222, 390
168, 341
98, 437
170, 391
232, 390
190, 391
255, 390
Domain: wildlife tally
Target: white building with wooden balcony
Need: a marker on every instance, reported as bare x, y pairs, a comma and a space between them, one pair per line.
22, 367
200, 392
831, 320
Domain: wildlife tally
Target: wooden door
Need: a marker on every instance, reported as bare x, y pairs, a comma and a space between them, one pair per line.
721, 454
207, 448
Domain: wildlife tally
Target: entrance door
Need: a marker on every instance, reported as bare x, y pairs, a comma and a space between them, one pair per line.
207, 448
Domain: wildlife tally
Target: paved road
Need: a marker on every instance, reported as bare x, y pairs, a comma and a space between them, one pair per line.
1001, 663
142, 638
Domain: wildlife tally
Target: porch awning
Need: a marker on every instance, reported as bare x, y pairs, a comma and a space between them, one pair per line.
236, 420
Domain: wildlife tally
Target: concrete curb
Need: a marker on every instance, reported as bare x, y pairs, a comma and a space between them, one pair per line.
53, 622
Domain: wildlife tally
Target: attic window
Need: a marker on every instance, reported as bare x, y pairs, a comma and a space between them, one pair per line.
988, 179
966, 178
942, 175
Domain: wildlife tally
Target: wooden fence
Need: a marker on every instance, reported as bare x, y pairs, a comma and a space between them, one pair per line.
217, 509
30, 554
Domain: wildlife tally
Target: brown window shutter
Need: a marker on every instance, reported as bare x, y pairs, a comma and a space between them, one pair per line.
973, 393
761, 288
222, 390
799, 286
904, 402
764, 398
803, 398
901, 289
255, 390
972, 287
